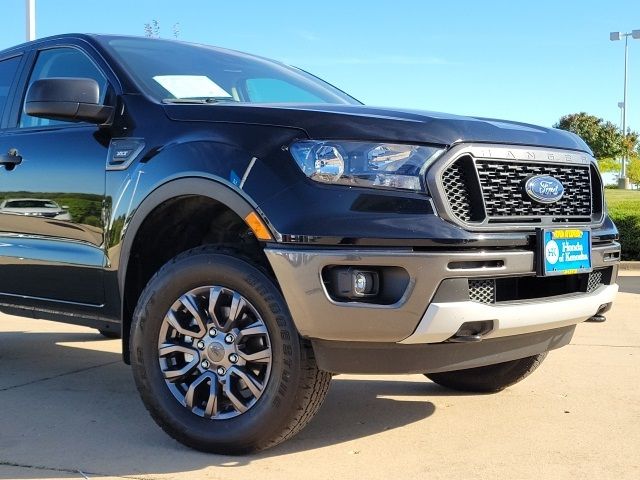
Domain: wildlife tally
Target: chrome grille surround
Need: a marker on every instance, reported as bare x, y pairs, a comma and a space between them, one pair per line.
472, 168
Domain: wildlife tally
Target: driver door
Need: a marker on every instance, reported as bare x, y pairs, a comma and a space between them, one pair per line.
51, 202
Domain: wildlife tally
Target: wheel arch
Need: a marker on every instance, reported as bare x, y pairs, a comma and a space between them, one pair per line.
192, 186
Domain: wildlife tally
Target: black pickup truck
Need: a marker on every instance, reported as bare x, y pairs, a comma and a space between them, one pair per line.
250, 230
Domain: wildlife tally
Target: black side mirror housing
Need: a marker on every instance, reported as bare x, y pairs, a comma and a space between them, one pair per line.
68, 99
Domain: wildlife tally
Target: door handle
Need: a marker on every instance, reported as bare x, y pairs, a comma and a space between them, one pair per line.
11, 159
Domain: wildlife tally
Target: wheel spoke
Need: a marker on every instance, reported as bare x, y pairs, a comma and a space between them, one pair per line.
263, 356
167, 348
237, 403
211, 410
176, 374
175, 323
214, 295
254, 386
257, 328
193, 308
190, 395
236, 309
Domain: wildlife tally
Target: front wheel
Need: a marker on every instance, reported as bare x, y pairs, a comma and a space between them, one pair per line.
217, 359
490, 378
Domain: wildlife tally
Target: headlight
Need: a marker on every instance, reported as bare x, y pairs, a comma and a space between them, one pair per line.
364, 164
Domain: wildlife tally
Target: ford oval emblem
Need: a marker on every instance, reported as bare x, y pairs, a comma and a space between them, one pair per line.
544, 188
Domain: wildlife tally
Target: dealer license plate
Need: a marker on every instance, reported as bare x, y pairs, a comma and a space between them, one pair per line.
565, 251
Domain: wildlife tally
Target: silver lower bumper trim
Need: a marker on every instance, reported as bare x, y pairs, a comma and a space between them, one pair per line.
442, 320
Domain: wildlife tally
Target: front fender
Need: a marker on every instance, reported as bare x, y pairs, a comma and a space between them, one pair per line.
192, 165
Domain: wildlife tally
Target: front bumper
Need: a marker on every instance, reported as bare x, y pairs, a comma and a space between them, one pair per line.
416, 318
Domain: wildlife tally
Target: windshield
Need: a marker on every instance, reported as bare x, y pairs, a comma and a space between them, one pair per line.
171, 71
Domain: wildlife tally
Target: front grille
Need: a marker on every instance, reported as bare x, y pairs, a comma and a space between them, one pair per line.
507, 289
455, 184
503, 191
492, 192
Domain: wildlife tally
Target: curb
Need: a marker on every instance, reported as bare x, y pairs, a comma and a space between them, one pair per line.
629, 265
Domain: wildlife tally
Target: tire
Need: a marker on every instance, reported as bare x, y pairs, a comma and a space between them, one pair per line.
286, 393
109, 334
490, 378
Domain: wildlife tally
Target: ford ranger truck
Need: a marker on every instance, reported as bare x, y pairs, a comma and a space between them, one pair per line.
249, 230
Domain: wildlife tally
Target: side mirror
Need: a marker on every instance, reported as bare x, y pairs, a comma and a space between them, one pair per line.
68, 99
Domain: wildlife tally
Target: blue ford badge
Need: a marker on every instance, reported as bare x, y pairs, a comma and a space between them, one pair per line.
544, 188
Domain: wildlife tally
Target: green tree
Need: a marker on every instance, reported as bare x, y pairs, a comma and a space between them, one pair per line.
633, 170
630, 146
609, 165
603, 137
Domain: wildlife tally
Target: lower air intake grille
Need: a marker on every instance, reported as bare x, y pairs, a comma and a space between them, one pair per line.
595, 280
482, 291
508, 289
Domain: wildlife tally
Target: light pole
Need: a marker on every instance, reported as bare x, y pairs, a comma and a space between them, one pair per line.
30, 6
623, 182
621, 107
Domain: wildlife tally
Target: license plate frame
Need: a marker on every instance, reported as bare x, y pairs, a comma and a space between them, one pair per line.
564, 251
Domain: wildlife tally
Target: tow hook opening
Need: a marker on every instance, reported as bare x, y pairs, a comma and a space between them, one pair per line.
599, 317
471, 332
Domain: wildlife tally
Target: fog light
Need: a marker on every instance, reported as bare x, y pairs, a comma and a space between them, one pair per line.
354, 283
364, 283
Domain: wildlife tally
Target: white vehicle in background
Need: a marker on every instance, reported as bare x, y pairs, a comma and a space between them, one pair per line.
35, 207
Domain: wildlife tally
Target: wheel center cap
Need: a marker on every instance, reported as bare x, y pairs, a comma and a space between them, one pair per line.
215, 351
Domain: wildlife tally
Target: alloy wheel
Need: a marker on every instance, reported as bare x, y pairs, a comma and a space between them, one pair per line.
214, 352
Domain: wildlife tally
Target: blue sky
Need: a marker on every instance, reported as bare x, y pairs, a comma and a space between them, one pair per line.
530, 61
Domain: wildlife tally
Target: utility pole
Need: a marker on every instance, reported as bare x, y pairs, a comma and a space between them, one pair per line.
31, 19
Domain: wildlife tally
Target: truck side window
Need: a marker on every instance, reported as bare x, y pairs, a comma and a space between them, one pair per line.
62, 62
8, 69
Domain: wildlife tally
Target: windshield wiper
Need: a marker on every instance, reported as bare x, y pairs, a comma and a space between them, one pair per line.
195, 100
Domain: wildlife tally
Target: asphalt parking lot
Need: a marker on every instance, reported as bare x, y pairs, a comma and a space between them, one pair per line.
69, 409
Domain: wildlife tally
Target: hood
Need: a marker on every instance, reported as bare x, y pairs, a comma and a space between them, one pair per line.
359, 122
